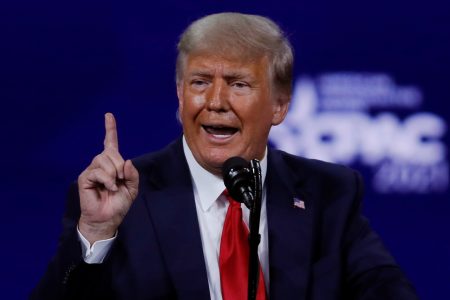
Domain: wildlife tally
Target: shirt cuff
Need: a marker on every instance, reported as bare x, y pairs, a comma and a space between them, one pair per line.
96, 253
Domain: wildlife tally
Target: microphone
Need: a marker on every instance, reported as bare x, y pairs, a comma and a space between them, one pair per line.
238, 180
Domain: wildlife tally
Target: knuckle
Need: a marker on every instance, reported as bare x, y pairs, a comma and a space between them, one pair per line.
108, 178
104, 162
110, 170
100, 175
109, 183
94, 174
83, 175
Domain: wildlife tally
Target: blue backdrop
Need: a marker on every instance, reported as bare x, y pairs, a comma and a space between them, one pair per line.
64, 64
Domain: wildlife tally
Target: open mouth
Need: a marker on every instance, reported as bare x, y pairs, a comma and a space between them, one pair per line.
219, 130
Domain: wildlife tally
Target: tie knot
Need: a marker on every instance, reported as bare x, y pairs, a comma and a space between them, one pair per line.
230, 199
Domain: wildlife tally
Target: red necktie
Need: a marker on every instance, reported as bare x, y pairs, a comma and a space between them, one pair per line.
234, 256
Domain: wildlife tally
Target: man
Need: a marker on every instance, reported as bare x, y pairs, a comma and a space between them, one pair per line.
152, 228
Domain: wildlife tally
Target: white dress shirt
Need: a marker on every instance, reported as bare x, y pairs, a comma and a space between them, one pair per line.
211, 208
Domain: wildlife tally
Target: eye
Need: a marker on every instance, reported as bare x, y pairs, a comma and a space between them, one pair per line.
198, 82
240, 84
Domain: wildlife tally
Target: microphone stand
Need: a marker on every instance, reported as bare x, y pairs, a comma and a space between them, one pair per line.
254, 237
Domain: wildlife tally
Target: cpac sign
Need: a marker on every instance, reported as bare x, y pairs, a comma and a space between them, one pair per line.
348, 118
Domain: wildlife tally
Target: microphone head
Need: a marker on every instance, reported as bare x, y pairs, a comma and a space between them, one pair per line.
238, 178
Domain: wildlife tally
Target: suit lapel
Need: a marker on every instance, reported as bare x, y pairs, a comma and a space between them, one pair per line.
171, 206
290, 230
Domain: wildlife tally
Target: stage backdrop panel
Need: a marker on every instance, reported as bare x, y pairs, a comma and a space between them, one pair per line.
370, 91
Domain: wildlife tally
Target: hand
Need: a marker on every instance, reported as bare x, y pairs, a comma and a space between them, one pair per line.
107, 189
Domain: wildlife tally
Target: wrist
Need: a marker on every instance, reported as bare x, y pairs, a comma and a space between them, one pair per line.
96, 231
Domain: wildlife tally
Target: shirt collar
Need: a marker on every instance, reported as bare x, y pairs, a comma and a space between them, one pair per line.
207, 185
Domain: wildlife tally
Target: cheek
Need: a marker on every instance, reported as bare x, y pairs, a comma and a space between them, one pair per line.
256, 113
198, 101
193, 103
258, 123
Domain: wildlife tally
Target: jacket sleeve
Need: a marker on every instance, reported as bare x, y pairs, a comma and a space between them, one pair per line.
371, 272
67, 275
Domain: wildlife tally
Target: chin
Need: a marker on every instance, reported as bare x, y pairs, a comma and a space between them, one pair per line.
216, 161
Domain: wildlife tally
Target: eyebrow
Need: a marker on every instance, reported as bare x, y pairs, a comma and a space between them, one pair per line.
237, 75
228, 75
201, 73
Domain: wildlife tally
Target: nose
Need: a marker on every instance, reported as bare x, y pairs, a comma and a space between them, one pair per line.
217, 96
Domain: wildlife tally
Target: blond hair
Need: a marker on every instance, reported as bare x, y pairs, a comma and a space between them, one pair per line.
247, 36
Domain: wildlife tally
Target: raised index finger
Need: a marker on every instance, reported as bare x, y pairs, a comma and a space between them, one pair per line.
111, 140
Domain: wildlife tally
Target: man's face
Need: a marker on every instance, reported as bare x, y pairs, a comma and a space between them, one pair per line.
227, 107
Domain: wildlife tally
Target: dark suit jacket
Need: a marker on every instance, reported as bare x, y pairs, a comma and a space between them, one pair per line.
325, 251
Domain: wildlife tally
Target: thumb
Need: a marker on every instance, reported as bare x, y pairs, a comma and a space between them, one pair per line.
131, 177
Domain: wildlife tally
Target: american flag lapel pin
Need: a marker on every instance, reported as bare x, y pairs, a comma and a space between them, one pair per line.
299, 203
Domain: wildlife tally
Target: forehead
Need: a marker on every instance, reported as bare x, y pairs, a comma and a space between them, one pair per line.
208, 62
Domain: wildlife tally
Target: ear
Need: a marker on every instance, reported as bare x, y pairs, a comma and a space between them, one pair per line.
180, 97
280, 109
